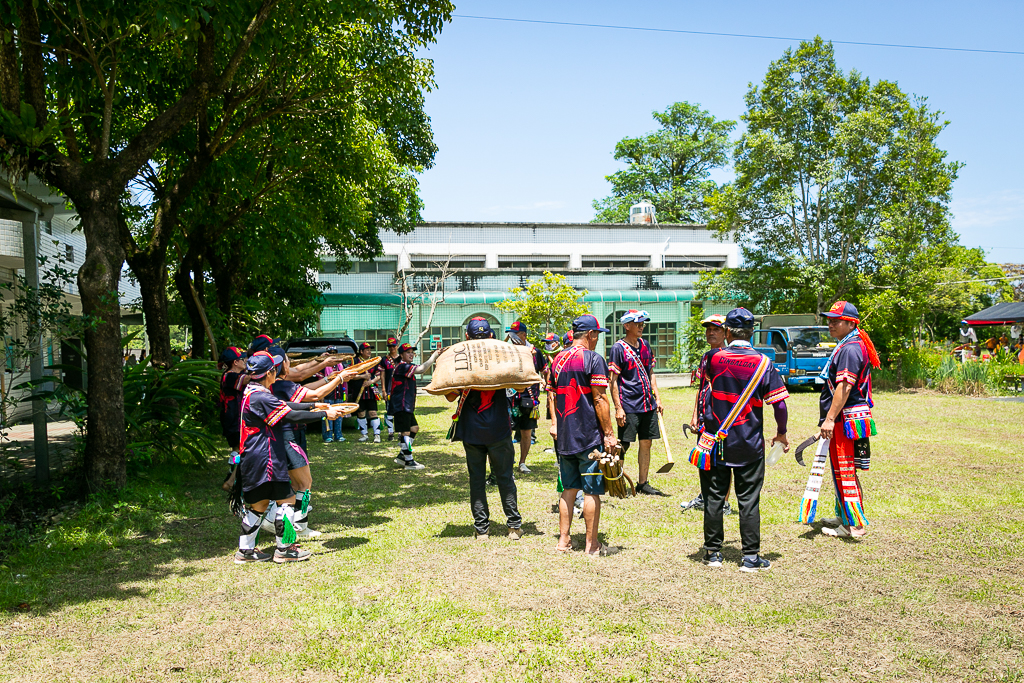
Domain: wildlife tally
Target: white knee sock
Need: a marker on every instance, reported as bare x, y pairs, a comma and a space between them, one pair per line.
375, 424
390, 422
250, 528
361, 421
301, 510
284, 525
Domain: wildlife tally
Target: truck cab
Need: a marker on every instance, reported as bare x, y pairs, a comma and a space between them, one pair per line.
797, 346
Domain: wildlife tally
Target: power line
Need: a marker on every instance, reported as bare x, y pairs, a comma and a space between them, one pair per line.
736, 35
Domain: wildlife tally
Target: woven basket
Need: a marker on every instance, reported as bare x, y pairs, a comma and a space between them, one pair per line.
484, 365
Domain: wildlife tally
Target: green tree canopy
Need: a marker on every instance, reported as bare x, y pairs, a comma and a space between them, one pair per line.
546, 305
670, 167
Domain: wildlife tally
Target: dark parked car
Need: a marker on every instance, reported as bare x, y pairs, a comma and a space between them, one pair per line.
314, 346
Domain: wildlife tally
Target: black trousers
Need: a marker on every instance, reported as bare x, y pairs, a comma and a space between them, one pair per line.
501, 456
714, 486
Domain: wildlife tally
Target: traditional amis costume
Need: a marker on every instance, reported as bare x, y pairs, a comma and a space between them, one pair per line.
232, 384
523, 405
366, 391
389, 364
483, 424
402, 402
635, 393
731, 444
263, 470
849, 448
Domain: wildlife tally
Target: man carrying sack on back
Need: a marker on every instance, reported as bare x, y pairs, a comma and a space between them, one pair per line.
846, 423
483, 425
731, 443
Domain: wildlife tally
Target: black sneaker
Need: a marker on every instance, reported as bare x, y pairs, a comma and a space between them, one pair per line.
757, 564
247, 556
713, 559
411, 464
648, 490
726, 509
291, 553
491, 480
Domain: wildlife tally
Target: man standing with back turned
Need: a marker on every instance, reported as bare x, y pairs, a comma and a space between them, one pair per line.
583, 424
742, 381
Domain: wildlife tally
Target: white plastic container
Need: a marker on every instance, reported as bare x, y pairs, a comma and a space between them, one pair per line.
775, 454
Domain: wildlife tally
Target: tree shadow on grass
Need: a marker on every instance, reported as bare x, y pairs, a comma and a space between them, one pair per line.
135, 547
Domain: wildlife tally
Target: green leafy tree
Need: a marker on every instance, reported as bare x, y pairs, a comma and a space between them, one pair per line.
831, 165
670, 167
546, 305
89, 92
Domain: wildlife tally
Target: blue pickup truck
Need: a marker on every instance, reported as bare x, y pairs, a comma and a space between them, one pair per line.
797, 345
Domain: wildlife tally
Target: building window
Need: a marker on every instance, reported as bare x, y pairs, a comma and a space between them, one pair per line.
616, 262
538, 262
456, 262
691, 263
378, 339
376, 267
661, 337
48, 227
69, 253
329, 267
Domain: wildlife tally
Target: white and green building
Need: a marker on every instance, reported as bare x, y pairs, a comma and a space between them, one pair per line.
649, 266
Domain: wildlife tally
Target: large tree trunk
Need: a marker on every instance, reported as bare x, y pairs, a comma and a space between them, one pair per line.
151, 272
98, 278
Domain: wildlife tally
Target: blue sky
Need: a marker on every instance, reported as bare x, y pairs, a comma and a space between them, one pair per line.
526, 116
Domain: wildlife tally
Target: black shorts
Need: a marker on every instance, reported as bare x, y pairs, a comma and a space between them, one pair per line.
640, 427
523, 422
269, 490
404, 422
367, 403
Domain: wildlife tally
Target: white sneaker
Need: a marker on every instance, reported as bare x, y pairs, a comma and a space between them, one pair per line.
376, 438
363, 438
308, 534
523, 468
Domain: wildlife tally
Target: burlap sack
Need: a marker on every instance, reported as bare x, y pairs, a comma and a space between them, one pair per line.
483, 364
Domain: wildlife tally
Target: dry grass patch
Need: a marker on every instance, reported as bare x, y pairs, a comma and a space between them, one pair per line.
400, 590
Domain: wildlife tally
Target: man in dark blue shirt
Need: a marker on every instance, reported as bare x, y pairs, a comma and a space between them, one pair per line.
740, 455
483, 426
583, 424
402, 401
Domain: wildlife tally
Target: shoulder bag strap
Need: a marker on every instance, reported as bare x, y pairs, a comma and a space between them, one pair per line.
744, 397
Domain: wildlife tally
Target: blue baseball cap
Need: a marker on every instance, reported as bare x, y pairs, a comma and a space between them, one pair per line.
567, 339
479, 328
843, 310
587, 323
518, 326
739, 318
260, 363
261, 343
231, 354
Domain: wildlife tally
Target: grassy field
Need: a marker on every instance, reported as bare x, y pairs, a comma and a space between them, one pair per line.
398, 589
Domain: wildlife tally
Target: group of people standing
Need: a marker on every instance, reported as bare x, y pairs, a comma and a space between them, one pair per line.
597, 409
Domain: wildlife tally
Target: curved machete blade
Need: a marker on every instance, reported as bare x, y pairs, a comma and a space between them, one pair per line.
688, 428
799, 454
